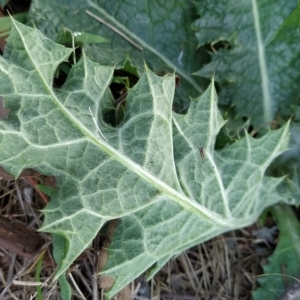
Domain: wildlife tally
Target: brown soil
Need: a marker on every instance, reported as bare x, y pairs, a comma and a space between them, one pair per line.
223, 268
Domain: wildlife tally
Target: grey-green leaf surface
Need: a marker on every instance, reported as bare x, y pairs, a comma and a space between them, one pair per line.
148, 172
259, 70
158, 32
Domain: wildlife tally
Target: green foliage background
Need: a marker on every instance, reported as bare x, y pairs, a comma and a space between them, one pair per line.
148, 170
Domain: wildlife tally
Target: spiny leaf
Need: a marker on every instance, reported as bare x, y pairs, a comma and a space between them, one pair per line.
148, 172
158, 32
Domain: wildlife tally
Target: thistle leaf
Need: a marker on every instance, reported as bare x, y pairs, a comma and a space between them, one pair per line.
148, 172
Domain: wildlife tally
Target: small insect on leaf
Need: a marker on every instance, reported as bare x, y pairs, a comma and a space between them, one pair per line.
202, 152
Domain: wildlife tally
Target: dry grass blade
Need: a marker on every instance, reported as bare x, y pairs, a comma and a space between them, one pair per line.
222, 268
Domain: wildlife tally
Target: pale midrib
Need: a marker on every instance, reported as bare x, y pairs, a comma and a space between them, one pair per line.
140, 42
180, 199
210, 145
262, 65
284, 139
